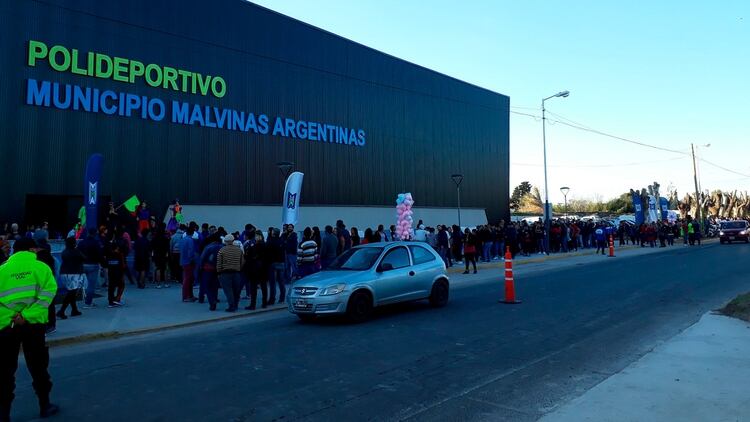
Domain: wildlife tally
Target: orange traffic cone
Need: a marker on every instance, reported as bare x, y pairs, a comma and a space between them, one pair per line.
611, 246
510, 288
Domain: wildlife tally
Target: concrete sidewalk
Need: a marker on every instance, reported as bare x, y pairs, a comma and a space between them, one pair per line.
700, 374
153, 309
145, 310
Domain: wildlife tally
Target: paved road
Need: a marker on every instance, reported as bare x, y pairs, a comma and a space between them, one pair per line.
473, 360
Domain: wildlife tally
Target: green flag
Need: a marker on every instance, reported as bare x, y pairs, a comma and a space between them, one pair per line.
82, 216
132, 203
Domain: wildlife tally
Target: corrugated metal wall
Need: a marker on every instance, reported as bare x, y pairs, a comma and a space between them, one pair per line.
421, 126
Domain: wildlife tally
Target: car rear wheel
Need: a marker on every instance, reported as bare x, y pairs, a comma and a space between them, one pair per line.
440, 293
359, 307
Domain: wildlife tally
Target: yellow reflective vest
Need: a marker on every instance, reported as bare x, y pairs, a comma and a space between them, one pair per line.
28, 287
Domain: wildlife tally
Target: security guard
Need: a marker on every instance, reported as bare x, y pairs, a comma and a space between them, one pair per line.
27, 288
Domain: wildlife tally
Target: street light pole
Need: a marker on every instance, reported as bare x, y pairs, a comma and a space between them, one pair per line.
697, 184
546, 191
697, 193
457, 179
697, 188
565, 191
285, 167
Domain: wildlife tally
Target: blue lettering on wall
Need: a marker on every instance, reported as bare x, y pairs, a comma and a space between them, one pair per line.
125, 104
180, 112
37, 93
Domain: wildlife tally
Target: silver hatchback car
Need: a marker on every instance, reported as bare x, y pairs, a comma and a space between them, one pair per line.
372, 275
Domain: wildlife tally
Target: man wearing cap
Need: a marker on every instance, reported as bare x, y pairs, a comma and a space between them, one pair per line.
27, 288
420, 235
229, 262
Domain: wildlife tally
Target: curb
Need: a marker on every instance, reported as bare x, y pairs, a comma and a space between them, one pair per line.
107, 335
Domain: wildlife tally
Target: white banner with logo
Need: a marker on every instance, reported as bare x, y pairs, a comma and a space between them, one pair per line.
652, 215
292, 195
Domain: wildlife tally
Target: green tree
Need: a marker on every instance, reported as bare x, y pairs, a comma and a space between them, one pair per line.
532, 202
623, 204
518, 193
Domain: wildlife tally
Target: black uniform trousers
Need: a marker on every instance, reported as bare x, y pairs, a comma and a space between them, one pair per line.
32, 337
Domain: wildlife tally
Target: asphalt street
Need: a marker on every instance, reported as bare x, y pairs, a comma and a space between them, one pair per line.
476, 359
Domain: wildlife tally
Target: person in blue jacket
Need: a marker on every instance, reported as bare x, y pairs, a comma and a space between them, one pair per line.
209, 281
600, 234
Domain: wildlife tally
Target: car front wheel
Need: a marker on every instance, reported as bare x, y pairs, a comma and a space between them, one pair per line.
359, 307
440, 293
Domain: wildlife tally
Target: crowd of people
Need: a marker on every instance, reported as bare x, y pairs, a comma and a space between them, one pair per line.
144, 252
205, 257
33, 281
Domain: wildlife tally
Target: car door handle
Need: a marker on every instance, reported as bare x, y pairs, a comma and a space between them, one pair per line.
411, 273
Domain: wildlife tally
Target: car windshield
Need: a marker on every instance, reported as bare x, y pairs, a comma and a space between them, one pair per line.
733, 225
357, 259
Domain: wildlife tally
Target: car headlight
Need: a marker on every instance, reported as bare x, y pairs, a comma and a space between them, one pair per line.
721, 233
743, 232
333, 290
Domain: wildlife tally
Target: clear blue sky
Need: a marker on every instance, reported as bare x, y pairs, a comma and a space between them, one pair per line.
665, 73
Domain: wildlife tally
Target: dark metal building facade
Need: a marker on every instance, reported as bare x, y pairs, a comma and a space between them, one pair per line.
421, 126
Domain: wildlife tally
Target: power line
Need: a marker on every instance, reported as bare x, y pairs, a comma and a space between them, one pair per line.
598, 132
526, 114
599, 165
568, 120
723, 168
580, 126
630, 141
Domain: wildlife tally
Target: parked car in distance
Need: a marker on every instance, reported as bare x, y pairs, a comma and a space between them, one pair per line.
730, 231
369, 276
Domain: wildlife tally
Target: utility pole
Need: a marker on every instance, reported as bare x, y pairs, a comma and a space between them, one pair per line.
697, 192
547, 207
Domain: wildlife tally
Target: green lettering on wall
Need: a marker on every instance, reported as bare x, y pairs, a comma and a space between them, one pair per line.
136, 69
150, 79
185, 78
120, 69
74, 64
57, 52
170, 78
100, 60
37, 50
218, 86
63, 59
203, 83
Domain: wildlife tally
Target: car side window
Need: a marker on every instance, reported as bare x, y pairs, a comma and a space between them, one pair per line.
420, 255
397, 257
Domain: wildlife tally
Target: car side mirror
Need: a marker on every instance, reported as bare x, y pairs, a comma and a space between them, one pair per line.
385, 267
